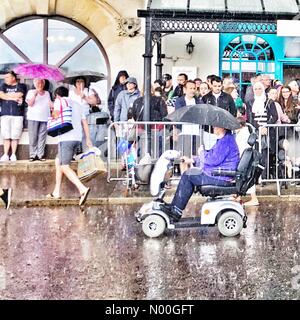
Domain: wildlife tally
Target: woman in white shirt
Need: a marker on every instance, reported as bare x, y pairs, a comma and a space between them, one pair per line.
86, 98
82, 95
39, 103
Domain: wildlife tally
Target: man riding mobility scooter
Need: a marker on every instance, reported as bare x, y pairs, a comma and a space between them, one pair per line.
218, 210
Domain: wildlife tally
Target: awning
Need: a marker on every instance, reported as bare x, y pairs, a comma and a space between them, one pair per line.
268, 10
209, 16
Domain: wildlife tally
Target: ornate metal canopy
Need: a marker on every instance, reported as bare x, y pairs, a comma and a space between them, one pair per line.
217, 16
255, 16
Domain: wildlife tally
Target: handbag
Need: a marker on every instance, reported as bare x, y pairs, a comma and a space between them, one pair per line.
132, 134
61, 124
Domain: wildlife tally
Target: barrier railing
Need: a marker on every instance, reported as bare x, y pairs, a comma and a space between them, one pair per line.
280, 147
153, 138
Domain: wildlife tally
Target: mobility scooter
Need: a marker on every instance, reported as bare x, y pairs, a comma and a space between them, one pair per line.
228, 215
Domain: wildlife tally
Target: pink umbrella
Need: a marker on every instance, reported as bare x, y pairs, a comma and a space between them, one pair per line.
39, 71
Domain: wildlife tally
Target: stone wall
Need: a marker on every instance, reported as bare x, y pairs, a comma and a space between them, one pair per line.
102, 18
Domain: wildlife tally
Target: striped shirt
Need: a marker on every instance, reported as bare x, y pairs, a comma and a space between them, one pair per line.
261, 118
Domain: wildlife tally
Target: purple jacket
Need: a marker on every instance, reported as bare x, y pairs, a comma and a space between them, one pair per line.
224, 155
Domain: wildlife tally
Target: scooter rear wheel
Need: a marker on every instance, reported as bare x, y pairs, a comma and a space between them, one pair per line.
153, 226
230, 224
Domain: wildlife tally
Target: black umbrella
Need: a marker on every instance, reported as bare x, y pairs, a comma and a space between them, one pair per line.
205, 114
89, 76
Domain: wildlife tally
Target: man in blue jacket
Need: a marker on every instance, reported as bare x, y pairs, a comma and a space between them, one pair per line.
223, 155
189, 98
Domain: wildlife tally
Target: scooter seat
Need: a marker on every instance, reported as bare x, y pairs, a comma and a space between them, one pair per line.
216, 191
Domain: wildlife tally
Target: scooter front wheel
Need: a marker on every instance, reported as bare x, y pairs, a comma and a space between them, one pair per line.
154, 225
230, 224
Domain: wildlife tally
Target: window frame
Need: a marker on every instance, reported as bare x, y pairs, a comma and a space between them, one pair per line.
253, 45
46, 18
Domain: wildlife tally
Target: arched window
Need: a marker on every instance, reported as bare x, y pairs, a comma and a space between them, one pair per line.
56, 41
245, 56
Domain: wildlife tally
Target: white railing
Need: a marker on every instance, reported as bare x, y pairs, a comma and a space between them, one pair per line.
280, 148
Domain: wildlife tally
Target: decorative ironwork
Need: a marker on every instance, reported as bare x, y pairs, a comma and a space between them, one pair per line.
213, 26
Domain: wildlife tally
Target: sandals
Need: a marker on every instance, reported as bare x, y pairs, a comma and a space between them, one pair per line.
81, 201
84, 197
51, 196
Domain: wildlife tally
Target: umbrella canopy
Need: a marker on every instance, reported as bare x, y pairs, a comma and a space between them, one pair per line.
39, 71
205, 114
90, 76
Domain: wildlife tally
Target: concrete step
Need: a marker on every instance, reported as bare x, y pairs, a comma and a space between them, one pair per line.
32, 181
48, 165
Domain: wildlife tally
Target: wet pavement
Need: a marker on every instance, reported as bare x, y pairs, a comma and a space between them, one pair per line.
31, 184
102, 253
51, 249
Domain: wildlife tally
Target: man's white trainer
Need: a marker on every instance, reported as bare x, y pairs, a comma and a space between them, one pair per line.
13, 157
5, 157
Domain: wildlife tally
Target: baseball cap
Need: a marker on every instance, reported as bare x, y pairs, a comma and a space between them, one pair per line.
131, 80
167, 77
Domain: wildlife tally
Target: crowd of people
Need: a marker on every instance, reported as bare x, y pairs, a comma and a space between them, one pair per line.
38, 101
264, 101
35, 106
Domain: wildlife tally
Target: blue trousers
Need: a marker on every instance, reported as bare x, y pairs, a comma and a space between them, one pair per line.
191, 178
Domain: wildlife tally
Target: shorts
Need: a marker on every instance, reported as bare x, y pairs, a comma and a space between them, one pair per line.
11, 127
67, 150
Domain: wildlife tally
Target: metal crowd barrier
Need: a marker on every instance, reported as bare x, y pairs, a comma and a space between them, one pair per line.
153, 138
280, 147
